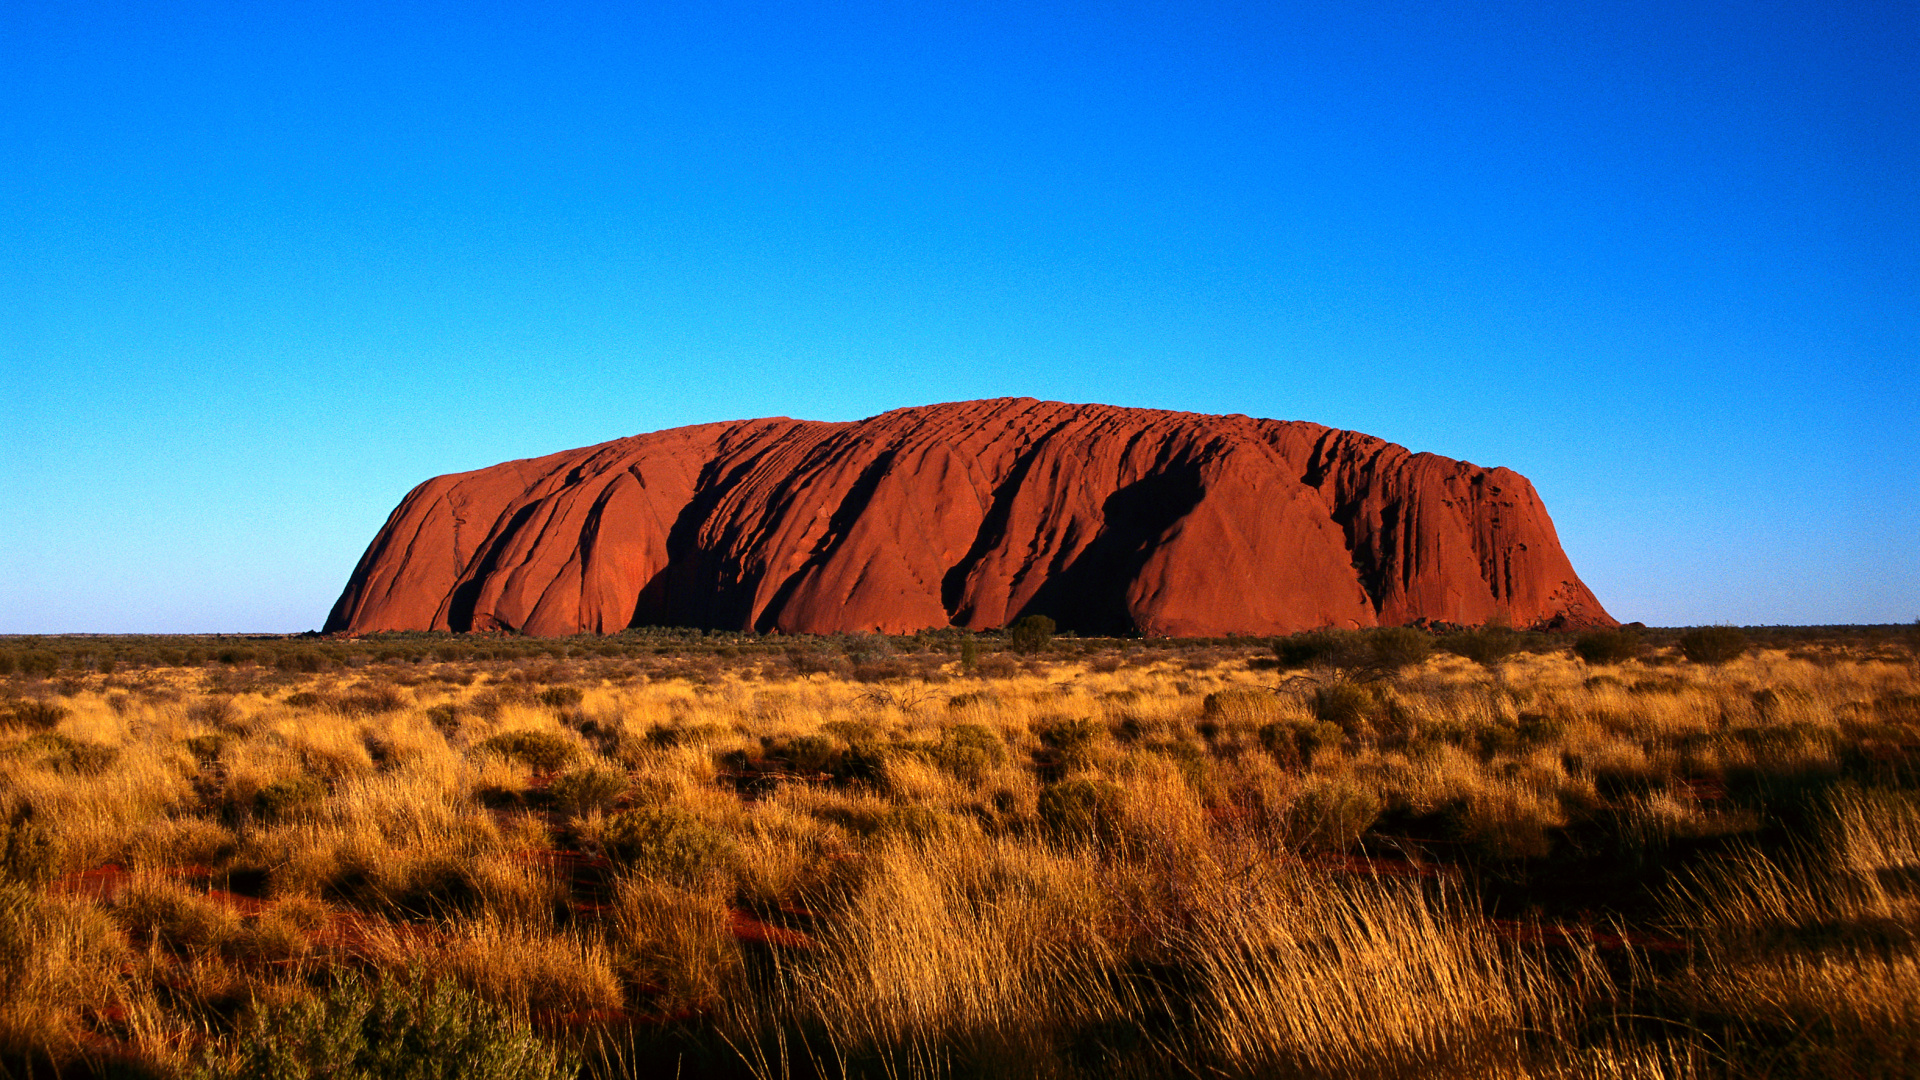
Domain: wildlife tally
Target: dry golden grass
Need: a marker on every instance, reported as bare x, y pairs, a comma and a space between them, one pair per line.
1169, 863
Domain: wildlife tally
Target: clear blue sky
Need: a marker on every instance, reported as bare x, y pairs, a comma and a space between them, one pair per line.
263, 267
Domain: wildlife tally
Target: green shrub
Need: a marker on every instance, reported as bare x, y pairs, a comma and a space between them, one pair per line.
1070, 738
668, 843
28, 853
62, 754
205, 748
560, 697
302, 660
1030, 634
1486, 646
43, 664
1293, 743
289, 797
1713, 644
1391, 648
392, 1031
1607, 646
805, 753
1319, 648
546, 751
38, 713
1333, 814
968, 751
1345, 705
584, 790
1081, 809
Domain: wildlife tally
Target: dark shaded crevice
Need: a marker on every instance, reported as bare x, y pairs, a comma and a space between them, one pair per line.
467, 593
1089, 596
851, 507
993, 529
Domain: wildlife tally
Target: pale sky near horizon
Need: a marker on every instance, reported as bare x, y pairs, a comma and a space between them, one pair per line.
265, 267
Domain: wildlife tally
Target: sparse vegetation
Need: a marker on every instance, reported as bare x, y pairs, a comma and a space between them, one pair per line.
1456, 853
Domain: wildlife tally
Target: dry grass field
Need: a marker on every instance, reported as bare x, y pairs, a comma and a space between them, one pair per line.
934, 856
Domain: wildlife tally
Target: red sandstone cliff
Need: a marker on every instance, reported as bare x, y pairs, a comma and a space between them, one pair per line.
971, 514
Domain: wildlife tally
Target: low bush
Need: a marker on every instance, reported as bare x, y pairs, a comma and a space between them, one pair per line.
546, 751
360, 1030
1607, 646
289, 797
1030, 634
1486, 646
1081, 809
37, 713
969, 751
1713, 644
589, 789
668, 843
29, 854
1070, 739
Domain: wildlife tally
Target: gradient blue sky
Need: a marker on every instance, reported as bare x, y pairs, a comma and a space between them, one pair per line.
263, 267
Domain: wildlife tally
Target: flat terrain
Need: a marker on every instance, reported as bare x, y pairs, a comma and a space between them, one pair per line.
1380, 854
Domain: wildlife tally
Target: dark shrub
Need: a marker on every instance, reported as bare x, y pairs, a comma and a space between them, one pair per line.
668, 843
968, 751
289, 797
363, 1031
38, 713
805, 753
205, 748
1391, 648
1030, 634
1294, 744
1081, 809
1486, 646
585, 790
1607, 646
560, 697
372, 701
1070, 738
545, 751
43, 664
61, 754
1334, 815
1319, 648
302, 660
1343, 704
28, 853
1713, 644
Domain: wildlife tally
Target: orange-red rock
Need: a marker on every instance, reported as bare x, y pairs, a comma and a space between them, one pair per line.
971, 514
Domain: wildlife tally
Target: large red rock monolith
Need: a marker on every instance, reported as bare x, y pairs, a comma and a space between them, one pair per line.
971, 514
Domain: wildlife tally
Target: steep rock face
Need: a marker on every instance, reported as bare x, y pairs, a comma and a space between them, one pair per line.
971, 514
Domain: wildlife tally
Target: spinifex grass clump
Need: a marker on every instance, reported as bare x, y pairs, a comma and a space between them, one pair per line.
1341, 855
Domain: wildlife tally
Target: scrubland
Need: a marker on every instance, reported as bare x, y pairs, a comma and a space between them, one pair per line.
1340, 856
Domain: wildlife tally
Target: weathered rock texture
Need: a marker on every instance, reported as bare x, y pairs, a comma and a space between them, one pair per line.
972, 514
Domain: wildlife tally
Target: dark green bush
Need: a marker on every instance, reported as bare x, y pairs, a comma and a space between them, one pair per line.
1713, 644
62, 754
1486, 646
1293, 744
968, 751
1345, 705
584, 790
1030, 634
546, 751
1071, 739
43, 664
560, 697
205, 748
392, 1031
302, 660
1333, 815
668, 843
289, 797
38, 713
28, 853
1607, 646
1391, 648
1319, 648
1081, 809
